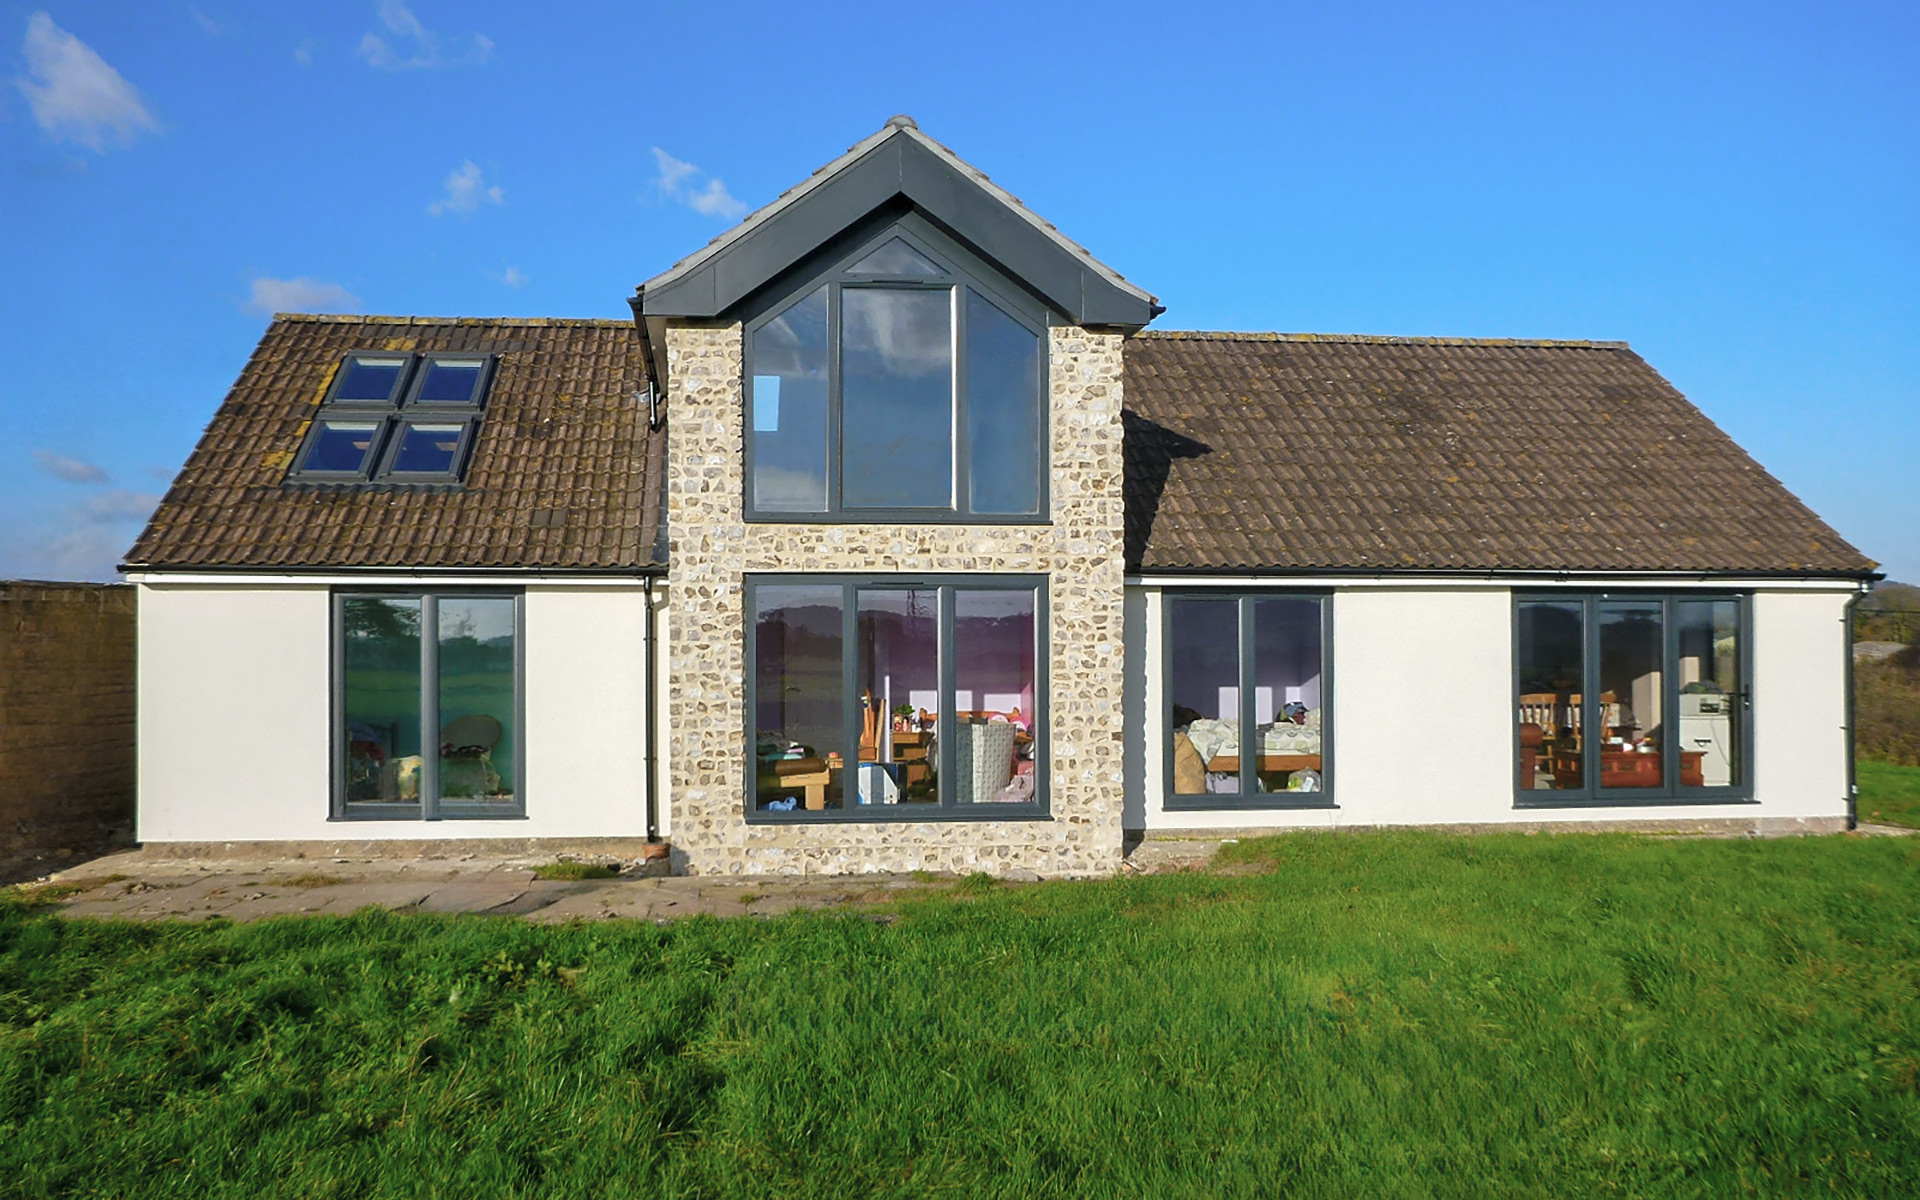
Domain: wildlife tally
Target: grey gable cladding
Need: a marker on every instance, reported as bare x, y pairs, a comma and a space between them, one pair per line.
1316, 453
898, 161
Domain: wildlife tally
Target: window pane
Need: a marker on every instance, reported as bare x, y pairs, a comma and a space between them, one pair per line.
477, 743
370, 378
797, 697
341, 446
994, 639
896, 258
427, 449
1552, 658
899, 674
1203, 684
451, 381
896, 384
788, 424
381, 698
1287, 708
1003, 411
1708, 633
1631, 726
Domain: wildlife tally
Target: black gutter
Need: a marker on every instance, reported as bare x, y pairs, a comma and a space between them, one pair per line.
504, 573
653, 728
1493, 573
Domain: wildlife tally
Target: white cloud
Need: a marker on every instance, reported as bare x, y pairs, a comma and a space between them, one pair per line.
419, 46
72, 470
75, 95
465, 192
514, 277
203, 20
678, 181
84, 540
271, 296
303, 53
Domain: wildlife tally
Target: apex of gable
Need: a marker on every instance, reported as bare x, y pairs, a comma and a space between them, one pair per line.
896, 167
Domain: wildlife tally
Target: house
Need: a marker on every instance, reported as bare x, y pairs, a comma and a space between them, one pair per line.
887, 536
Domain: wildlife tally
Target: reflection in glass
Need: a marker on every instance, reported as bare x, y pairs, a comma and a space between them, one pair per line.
1003, 411
341, 446
427, 449
451, 381
477, 743
896, 387
1287, 710
1552, 657
370, 379
788, 421
896, 259
1203, 682
994, 719
381, 689
1632, 730
798, 697
1708, 637
899, 678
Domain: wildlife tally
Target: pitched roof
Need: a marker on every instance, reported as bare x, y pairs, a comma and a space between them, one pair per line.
1297, 451
564, 475
897, 161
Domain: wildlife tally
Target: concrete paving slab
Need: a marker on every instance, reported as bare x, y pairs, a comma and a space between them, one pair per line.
474, 895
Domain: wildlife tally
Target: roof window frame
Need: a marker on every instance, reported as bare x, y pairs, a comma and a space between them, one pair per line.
400, 410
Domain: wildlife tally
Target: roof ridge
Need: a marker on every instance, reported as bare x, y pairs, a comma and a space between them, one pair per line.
534, 322
1228, 335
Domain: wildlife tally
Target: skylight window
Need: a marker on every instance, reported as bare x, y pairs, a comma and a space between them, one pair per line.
374, 424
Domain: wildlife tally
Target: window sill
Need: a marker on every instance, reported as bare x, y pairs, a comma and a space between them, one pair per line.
1633, 801
1322, 802
981, 814
891, 516
355, 818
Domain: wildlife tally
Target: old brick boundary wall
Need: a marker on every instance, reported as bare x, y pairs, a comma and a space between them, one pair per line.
67, 766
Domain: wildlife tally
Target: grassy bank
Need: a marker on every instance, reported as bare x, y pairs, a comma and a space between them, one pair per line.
1889, 794
1384, 1015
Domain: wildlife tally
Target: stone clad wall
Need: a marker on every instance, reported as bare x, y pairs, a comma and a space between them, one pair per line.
66, 714
712, 547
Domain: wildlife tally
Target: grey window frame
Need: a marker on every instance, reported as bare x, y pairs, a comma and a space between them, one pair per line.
430, 807
1248, 797
944, 809
402, 408
963, 270
1590, 794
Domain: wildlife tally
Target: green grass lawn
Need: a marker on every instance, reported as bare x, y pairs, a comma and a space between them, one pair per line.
1355, 1015
1889, 795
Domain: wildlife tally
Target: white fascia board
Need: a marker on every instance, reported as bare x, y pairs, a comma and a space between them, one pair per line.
1582, 581
389, 578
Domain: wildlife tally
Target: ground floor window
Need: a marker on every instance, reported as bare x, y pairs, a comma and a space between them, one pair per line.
882, 698
1246, 687
427, 705
1630, 698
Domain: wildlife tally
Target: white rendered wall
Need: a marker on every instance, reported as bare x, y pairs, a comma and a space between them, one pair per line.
1800, 649
235, 721
586, 716
1422, 712
233, 713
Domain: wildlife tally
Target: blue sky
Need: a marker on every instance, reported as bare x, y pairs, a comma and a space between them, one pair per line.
1735, 189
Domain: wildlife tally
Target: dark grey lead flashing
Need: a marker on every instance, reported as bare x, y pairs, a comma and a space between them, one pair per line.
899, 162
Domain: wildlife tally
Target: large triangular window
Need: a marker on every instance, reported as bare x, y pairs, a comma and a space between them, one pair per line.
906, 383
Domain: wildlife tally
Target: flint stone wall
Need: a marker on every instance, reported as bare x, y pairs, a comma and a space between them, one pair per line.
713, 547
